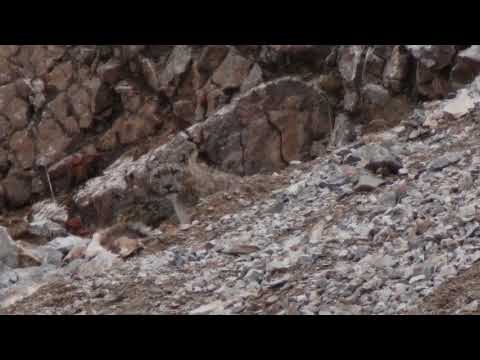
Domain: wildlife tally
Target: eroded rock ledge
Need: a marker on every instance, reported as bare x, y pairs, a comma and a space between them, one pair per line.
74, 109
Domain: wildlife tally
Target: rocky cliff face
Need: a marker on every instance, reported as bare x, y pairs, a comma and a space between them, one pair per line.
111, 131
72, 110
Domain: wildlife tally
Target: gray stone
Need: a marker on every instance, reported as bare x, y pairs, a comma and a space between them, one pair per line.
254, 275
177, 65
8, 249
254, 78
433, 56
460, 106
367, 183
101, 262
445, 161
47, 228
467, 213
377, 157
376, 94
471, 307
66, 244
46, 255
207, 309
416, 279
49, 210
342, 133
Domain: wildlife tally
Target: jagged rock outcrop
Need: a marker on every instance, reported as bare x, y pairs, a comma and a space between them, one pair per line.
59, 103
262, 130
139, 146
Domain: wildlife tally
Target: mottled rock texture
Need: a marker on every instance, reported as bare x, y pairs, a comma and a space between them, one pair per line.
72, 110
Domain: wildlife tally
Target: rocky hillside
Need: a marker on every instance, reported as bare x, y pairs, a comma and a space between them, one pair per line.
282, 179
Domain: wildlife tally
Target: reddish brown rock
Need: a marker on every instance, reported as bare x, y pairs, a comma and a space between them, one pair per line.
6, 51
108, 141
132, 129
23, 149
61, 76
4, 163
80, 101
266, 128
5, 128
178, 63
150, 74
397, 69
73, 170
18, 189
430, 84
7, 94
17, 113
110, 72
59, 108
232, 72
254, 78
7, 74
2, 198
374, 63
185, 109
44, 56
211, 58
51, 141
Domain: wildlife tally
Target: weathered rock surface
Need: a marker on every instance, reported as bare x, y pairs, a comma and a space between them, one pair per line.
212, 147
62, 98
262, 130
8, 249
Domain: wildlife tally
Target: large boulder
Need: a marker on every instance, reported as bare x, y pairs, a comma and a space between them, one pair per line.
266, 128
433, 57
262, 130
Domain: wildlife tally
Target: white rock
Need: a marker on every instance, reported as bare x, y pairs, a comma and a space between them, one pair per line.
208, 308
416, 279
461, 105
100, 263
65, 244
254, 275
48, 210
47, 228
471, 307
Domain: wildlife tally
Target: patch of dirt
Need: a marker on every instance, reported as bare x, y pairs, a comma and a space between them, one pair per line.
454, 294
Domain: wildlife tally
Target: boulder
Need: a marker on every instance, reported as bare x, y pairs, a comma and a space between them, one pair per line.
178, 64
232, 72
17, 189
47, 229
367, 183
377, 157
397, 69
49, 210
350, 63
434, 57
342, 131
65, 244
22, 145
266, 128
